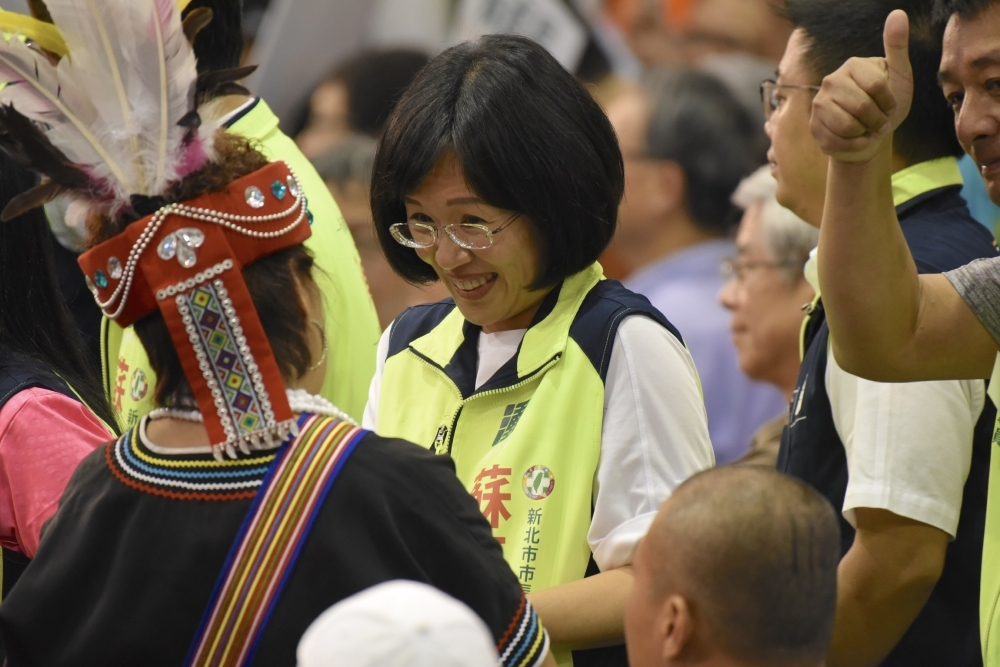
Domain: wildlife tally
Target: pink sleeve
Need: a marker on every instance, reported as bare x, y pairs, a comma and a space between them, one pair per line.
43, 436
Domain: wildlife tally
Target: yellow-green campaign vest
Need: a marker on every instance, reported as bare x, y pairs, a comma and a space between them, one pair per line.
989, 595
350, 320
527, 443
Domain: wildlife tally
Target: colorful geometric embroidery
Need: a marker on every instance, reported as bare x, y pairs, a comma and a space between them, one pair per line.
269, 542
525, 644
198, 477
228, 366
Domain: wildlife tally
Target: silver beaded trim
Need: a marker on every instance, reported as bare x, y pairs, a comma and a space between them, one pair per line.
195, 280
229, 220
246, 355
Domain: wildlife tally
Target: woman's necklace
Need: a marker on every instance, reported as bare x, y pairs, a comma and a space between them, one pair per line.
300, 401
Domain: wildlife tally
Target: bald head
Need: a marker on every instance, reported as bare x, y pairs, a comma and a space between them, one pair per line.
754, 553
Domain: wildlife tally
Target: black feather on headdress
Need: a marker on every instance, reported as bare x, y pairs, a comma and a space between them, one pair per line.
24, 142
221, 82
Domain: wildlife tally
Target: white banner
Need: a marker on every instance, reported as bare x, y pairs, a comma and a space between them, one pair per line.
548, 22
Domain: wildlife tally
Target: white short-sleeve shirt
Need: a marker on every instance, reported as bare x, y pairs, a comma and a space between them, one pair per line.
908, 445
655, 432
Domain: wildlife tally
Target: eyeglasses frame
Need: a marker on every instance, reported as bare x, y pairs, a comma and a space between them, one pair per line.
448, 229
769, 103
729, 271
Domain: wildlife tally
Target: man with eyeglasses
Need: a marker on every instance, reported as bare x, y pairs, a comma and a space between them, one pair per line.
905, 463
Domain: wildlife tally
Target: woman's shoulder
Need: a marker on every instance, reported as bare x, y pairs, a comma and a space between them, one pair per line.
610, 313
40, 413
400, 472
416, 321
395, 458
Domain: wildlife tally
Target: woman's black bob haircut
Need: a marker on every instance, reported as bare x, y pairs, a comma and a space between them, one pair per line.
529, 138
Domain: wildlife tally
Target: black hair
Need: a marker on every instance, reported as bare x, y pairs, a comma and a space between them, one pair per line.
699, 124
34, 319
965, 9
375, 80
529, 138
841, 29
220, 44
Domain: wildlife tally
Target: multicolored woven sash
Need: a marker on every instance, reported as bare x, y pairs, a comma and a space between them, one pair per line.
269, 541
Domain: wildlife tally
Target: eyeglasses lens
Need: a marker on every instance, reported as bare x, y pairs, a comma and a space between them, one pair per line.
474, 237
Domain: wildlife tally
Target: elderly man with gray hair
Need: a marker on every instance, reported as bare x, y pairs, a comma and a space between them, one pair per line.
765, 291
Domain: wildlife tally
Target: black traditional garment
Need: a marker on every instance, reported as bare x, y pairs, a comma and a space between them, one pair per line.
127, 565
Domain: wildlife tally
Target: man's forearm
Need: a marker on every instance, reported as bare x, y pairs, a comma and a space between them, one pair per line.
867, 276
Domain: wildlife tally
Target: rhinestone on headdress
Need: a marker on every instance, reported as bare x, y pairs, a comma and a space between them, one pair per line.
90, 283
168, 247
182, 244
254, 197
114, 268
293, 186
278, 189
190, 239
309, 216
100, 279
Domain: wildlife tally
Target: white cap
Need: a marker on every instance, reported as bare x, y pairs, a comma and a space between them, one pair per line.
398, 624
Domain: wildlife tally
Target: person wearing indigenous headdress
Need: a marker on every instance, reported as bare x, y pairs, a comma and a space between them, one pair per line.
221, 525
570, 405
129, 377
51, 404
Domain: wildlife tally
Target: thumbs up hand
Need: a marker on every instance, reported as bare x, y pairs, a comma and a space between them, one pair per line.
860, 105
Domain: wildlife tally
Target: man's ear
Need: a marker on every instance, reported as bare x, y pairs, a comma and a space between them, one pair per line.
672, 183
676, 627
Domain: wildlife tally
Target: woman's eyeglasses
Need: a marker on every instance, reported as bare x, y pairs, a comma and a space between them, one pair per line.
468, 235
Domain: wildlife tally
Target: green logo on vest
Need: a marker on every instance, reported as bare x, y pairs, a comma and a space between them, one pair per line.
138, 386
511, 416
538, 482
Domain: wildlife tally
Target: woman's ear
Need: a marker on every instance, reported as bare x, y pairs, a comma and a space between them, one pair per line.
311, 301
310, 297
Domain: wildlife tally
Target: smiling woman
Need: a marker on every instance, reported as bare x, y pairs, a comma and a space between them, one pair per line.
569, 404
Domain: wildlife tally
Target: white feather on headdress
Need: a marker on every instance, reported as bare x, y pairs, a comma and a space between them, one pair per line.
113, 105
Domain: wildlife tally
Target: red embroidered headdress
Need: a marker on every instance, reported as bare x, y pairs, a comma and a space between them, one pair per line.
114, 125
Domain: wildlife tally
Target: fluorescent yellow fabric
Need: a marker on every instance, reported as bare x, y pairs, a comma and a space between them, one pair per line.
989, 588
44, 34
352, 328
527, 452
923, 177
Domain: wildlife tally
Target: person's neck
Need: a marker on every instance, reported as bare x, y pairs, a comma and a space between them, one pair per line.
667, 239
719, 659
789, 380
899, 163
815, 217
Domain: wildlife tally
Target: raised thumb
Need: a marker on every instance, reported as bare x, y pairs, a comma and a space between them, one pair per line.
896, 39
